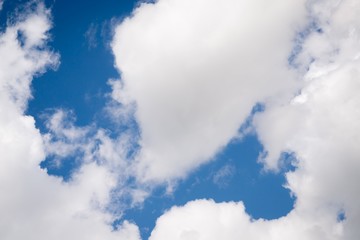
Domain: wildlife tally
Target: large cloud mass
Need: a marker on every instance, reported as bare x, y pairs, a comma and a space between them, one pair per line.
321, 124
195, 69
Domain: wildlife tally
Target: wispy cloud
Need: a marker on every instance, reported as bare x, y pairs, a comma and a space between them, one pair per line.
223, 176
91, 36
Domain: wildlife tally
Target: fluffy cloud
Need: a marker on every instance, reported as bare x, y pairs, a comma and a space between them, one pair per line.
205, 219
320, 126
34, 205
195, 69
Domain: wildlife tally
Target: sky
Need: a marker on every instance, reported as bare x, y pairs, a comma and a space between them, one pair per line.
179, 119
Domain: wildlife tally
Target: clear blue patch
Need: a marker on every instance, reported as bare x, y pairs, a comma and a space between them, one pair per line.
262, 193
341, 216
63, 168
21, 38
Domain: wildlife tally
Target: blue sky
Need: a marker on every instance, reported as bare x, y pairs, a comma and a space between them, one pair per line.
83, 67
179, 119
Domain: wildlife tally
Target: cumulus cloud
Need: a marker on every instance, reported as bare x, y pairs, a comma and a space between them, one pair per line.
319, 126
34, 205
195, 69
205, 219
321, 122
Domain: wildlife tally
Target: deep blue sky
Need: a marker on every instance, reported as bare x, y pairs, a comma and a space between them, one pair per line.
79, 84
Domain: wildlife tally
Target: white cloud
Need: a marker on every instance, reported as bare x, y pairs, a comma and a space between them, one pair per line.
195, 69
120, 108
19, 63
320, 125
205, 219
34, 205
